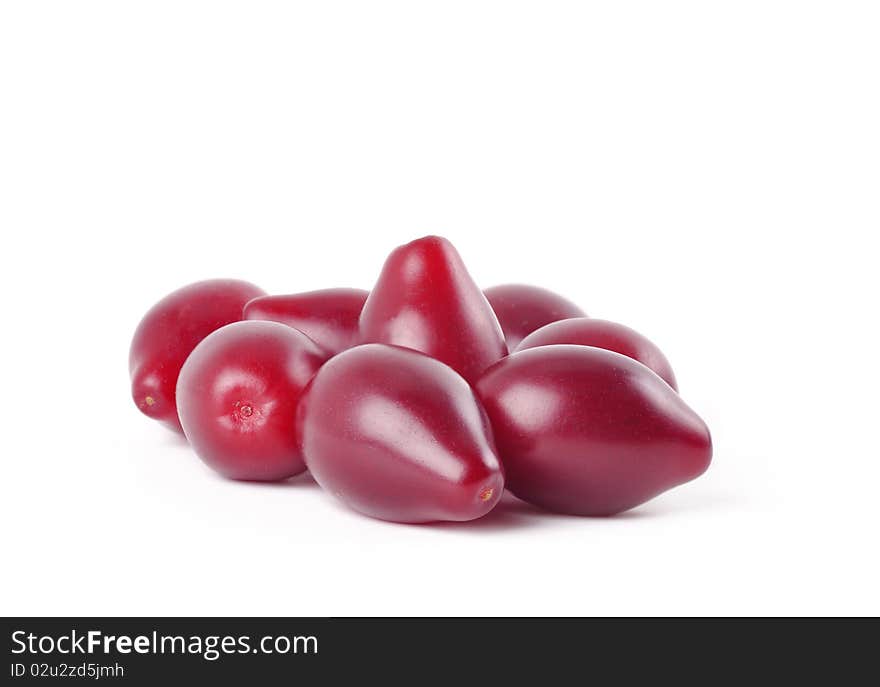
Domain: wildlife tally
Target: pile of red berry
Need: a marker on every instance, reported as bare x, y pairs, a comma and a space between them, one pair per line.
422, 399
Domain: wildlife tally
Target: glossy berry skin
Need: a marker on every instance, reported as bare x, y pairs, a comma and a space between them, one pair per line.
426, 300
328, 317
586, 431
237, 396
521, 309
170, 331
588, 331
399, 436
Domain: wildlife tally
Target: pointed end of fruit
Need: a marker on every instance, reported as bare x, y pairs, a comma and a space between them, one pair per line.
150, 404
429, 240
429, 250
148, 396
699, 454
486, 496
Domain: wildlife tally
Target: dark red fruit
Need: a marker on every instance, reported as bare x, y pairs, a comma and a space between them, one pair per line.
237, 397
521, 309
426, 300
587, 431
170, 331
399, 436
587, 331
328, 317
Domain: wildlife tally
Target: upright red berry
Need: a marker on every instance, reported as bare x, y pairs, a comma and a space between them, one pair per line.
170, 331
426, 300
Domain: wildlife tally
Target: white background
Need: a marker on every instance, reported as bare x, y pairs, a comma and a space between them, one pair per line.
708, 173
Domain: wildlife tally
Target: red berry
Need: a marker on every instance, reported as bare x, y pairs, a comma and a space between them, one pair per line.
328, 317
587, 331
237, 397
521, 309
399, 436
170, 331
587, 431
426, 300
